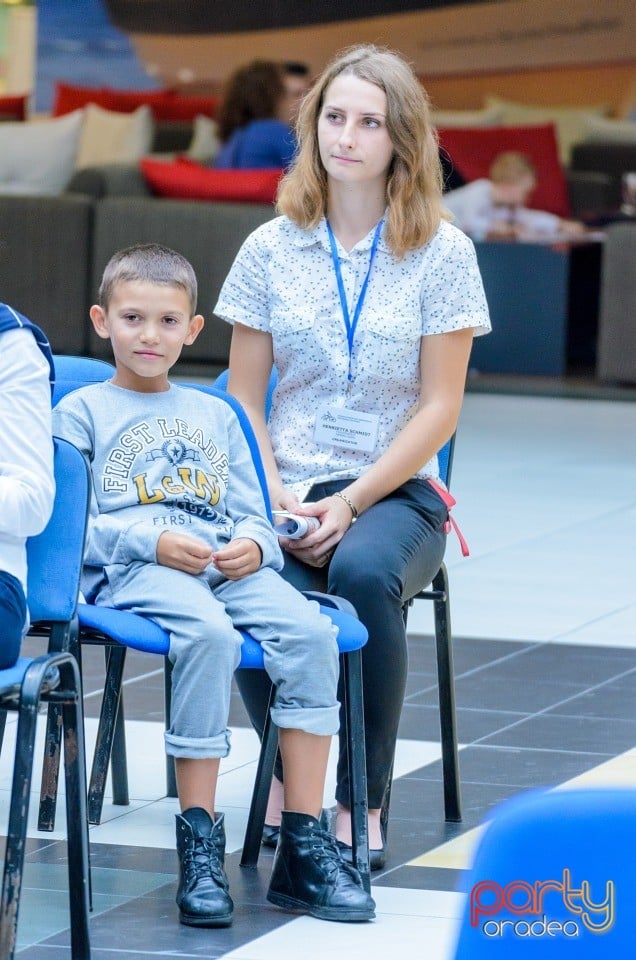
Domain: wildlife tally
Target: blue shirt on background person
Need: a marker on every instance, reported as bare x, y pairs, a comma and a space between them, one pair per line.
260, 144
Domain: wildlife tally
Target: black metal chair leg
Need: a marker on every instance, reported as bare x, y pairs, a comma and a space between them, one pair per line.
76, 819
50, 767
105, 732
171, 777
18, 816
351, 665
63, 637
450, 759
258, 805
118, 759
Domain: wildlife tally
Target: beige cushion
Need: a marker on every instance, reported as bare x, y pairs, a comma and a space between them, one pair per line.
38, 157
611, 131
112, 137
570, 122
205, 140
488, 117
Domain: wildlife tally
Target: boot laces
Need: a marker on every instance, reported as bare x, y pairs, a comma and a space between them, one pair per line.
201, 861
327, 854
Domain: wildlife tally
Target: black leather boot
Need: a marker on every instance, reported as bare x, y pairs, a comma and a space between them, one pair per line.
202, 897
309, 874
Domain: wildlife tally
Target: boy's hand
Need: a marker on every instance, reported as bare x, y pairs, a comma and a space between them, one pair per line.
238, 559
183, 552
285, 500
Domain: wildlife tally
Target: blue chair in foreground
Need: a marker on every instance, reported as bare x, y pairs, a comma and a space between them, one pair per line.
118, 630
438, 592
553, 877
54, 566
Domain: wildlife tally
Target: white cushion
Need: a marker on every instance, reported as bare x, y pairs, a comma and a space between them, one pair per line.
205, 140
112, 137
611, 131
38, 157
488, 117
570, 122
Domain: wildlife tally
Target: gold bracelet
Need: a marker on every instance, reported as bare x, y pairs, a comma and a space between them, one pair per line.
352, 506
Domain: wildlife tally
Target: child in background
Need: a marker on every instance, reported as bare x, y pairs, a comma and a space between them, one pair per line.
494, 208
179, 533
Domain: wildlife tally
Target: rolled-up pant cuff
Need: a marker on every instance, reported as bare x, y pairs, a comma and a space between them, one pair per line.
197, 748
321, 721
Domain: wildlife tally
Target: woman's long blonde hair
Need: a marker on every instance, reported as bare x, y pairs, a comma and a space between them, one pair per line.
414, 181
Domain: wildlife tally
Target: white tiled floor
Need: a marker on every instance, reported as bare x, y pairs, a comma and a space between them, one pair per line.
410, 924
546, 495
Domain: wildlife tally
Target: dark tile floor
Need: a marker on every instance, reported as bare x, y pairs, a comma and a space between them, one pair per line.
529, 715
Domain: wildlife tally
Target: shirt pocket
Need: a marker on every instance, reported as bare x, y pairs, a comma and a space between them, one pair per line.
390, 347
293, 338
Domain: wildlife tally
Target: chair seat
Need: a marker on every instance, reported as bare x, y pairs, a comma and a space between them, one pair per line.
13, 676
148, 637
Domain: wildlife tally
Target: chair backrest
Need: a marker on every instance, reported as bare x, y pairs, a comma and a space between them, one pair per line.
445, 460
54, 557
247, 430
444, 456
221, 383
74, 372
71, 373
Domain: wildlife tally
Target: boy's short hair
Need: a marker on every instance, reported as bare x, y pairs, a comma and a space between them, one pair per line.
148, 263
511, 167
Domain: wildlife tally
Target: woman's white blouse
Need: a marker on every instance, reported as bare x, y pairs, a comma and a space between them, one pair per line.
283, 282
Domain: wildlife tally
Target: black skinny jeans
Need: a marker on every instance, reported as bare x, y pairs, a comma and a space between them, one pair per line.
389, 554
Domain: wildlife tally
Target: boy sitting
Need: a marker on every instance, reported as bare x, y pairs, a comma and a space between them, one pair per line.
179, 533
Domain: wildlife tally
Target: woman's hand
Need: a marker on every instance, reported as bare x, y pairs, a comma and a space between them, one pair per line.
317, 548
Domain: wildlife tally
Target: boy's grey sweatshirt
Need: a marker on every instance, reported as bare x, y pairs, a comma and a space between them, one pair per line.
176, 460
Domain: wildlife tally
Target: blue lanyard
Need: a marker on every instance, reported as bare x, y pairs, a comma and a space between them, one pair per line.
349, 323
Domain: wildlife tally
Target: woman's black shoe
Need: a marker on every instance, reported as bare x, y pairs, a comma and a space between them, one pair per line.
309, 874
271, 833
377, 858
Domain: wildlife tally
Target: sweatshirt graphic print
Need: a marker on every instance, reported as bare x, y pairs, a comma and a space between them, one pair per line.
176, 460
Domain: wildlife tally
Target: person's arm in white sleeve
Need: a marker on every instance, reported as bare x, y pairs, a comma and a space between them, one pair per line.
27, 484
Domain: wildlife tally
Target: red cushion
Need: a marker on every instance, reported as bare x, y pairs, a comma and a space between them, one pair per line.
183, 179
125, 101
69, 97
472, 150
176, 106
13, 108
164, 104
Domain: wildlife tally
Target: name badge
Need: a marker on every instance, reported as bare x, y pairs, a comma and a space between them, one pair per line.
341, 427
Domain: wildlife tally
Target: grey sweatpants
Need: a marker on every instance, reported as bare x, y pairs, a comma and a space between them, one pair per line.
299, 649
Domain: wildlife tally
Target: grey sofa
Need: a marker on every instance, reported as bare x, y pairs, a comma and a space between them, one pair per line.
45, 247
53, 251
604, 162
616, 353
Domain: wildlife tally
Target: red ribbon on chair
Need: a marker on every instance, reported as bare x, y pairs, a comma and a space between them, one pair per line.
450, 502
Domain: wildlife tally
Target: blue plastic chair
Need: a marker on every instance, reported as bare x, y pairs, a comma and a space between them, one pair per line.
553, 877
54, 567
118, 630
439, 594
